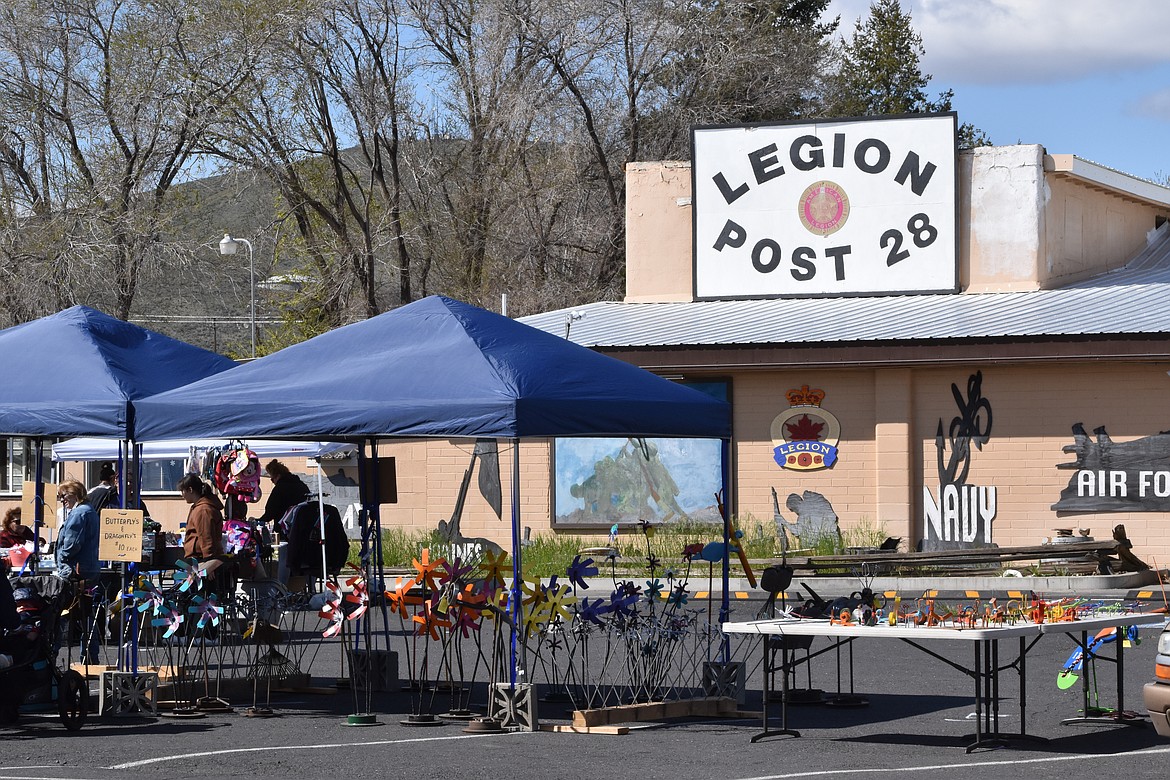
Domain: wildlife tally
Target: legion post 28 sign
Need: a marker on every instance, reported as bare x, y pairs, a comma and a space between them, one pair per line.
853, 207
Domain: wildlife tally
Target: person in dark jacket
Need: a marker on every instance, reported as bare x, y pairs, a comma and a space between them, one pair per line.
287, 491
105, 494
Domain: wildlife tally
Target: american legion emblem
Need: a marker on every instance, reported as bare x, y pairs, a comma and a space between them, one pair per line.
805, 435
823, 208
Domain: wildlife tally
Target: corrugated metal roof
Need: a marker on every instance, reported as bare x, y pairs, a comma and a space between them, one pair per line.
1134, 300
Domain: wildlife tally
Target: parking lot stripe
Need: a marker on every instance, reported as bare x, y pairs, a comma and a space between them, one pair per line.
855, 770
275, 748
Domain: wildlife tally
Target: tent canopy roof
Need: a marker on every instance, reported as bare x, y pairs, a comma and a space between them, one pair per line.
434, 368
77, 372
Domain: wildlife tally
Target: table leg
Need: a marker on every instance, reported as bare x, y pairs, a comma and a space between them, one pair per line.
1123, 715
986, 676
1022, 671
769, 669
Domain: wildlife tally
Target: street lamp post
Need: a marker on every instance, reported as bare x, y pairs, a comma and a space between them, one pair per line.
228, 246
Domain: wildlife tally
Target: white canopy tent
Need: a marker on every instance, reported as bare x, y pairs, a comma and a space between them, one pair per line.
87, 448
92, 449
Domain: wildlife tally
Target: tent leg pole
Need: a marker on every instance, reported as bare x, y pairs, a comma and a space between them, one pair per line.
321, 524
725, 600
516, 564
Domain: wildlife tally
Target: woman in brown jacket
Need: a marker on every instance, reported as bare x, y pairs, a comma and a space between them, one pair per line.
204, 536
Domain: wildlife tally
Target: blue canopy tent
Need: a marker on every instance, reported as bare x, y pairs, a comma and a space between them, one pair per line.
79, 373
436, 368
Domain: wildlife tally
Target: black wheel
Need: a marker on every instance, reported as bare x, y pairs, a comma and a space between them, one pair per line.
73, 700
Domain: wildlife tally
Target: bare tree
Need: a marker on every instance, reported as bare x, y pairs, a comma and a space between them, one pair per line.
104, 102
321, 119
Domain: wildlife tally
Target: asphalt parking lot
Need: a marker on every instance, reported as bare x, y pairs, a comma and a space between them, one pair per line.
917, 720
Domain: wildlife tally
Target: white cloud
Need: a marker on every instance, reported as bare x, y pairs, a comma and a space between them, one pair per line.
1030, 41
1155, 105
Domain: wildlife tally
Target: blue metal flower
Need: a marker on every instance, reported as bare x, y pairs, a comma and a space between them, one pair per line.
592, 611
623, 600
580, 569
551, 588
678, 596
653, 590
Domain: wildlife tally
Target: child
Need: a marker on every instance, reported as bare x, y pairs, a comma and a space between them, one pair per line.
19, 642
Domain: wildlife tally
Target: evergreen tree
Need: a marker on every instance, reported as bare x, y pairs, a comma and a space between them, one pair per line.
739, 61
879, 72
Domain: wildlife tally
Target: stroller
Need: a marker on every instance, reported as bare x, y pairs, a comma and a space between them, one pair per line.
35, 677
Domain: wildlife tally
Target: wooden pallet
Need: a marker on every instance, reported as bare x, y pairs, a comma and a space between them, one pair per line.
712, 707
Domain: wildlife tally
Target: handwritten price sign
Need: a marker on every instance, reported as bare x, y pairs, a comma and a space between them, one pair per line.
120, 535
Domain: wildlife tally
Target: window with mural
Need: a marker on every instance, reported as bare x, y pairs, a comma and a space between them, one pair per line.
601, 481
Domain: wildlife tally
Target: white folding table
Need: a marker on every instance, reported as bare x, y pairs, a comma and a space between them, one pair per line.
984, 671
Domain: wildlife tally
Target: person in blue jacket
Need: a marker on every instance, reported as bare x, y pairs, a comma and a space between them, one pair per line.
76, 553
76, 557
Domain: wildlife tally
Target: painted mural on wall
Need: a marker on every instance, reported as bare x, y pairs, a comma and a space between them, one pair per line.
472, 548
805, 435
605, 481
1109, 476
602, 481
815, 520
958, 515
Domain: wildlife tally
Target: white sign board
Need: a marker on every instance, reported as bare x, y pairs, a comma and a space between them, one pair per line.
856, 207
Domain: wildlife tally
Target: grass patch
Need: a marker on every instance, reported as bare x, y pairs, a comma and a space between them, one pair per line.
549, 554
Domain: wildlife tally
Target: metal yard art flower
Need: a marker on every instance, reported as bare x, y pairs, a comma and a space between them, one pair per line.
359, 596
455, 570
149, 596
492, 568
400, 598
579, 570
192, 575
430, 620
466, 620
426, 569
592, 611
208, 610
558, 600
331, 610
171, 617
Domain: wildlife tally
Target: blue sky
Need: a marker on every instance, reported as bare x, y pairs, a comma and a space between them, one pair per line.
1083, 77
